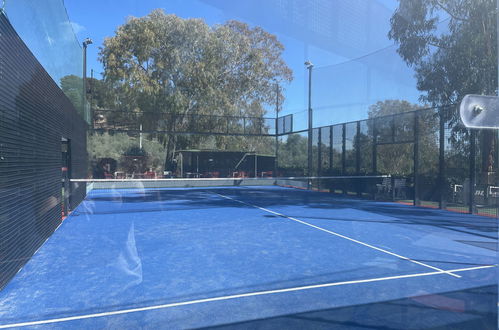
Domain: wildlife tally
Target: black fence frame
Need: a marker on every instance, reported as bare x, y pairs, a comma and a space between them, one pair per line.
480, 199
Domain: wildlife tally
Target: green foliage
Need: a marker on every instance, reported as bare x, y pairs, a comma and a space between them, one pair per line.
72, 86
293, 154
118, 145
101, 94
451, 44
398, 159
135, 151
391, 107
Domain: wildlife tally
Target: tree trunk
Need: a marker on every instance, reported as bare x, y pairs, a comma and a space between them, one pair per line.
170, 151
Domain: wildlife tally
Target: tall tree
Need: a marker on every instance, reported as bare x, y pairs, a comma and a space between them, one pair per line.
398, 158
72, 86
451, 44
165, 64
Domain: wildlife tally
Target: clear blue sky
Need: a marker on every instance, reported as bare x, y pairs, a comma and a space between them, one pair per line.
332, 34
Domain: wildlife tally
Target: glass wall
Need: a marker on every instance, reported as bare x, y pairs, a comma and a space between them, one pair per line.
45, 28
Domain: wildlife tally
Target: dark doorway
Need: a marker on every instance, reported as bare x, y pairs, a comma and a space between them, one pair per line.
66, 175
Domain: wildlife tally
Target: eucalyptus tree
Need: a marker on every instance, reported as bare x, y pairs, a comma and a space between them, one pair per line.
181, 73
452, 46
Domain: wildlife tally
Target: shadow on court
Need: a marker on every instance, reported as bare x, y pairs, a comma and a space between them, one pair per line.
459, 310
158, 200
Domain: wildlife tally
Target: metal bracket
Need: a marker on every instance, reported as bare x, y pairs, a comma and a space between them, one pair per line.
480, 111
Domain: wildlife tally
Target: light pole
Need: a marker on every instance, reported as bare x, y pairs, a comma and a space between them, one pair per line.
309, 66
89, 118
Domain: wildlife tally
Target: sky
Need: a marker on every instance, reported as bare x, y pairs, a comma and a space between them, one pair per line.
355, 64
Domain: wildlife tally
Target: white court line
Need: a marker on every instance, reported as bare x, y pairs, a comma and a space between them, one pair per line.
235, 296
342, 236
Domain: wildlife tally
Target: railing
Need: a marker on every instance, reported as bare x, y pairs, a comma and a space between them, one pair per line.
160, 122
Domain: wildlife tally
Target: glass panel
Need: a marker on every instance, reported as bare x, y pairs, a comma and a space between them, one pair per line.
47, 31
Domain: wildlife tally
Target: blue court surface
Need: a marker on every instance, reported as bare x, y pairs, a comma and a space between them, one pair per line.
257, 257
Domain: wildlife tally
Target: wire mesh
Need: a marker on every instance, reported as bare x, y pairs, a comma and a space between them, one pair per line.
431, 162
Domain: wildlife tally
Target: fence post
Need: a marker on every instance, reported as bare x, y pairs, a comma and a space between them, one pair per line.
330, 149
472, 164
343, 155
496, 151
375, 148
416, 159
357, 158
441, 162
343, 150
319, 152
276, 159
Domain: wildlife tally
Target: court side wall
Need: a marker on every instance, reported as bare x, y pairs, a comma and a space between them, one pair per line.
35, 115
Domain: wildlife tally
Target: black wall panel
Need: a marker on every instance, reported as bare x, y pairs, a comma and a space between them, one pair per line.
34, 116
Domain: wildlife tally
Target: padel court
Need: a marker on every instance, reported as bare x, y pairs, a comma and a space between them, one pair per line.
249, 257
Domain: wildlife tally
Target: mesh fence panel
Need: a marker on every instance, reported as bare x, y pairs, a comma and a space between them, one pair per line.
365, 146
337, 150
457, 168
431, 162
325, 147
292, 154
350, 153
384, 129
315, 152
486, 196
428, 159
403, 127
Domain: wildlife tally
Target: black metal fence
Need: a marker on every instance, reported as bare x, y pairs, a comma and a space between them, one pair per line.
161, 122
432, 162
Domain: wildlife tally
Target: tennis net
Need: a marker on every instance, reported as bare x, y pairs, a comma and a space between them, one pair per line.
362, 186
